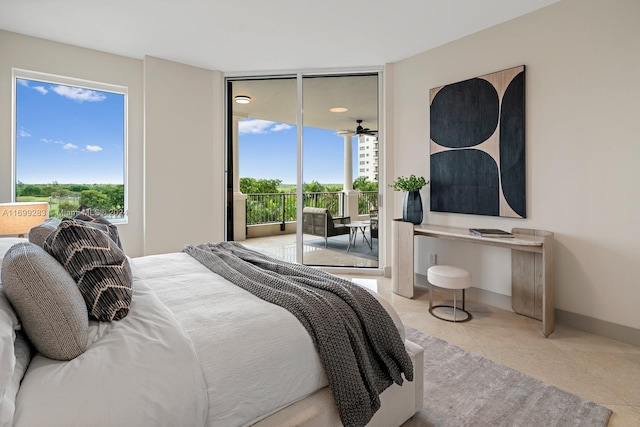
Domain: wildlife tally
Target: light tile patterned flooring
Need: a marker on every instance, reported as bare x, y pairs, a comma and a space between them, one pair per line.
596, 368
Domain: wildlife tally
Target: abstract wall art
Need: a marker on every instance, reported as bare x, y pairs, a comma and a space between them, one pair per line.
478, 145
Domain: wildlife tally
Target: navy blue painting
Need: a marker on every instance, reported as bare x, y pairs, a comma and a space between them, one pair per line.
477, 145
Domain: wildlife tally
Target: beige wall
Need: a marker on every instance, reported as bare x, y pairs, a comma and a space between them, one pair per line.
184, 156
175, 185
583, 146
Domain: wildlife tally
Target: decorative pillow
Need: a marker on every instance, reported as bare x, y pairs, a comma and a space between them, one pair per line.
40, 232
6, 243
101, 223
98, 266
47, 301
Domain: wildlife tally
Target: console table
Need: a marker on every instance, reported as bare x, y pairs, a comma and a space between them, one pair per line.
531, 264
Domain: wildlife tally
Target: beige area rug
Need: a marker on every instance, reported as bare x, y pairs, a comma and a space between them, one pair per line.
465, 389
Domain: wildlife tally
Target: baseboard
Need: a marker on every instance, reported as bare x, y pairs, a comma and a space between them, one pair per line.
588, 324
603, 328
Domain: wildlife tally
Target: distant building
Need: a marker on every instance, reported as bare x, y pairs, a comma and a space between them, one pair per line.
368, 157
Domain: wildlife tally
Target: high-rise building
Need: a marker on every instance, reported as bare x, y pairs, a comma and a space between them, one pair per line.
368, 157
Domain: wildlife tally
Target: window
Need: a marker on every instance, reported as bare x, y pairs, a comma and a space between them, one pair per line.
70, 139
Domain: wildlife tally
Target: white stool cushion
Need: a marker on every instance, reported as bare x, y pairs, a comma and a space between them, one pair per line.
448, 276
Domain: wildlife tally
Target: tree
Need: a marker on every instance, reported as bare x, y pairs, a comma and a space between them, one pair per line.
95, 200
29, 190
313, 187
115, 193
362, 183
259, 186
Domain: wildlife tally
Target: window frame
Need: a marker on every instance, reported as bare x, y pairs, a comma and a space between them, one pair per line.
22, 74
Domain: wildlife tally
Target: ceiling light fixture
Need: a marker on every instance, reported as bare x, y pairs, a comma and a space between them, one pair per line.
242, 99
338, 110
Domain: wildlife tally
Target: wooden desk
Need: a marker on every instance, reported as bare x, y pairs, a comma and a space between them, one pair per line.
531, 264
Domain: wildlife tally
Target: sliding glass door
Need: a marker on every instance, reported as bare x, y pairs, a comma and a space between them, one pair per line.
303, 158
340, 131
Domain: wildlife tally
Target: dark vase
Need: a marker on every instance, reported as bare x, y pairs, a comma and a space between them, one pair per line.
412, 207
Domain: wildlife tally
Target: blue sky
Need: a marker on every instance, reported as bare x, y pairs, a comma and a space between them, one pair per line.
74, 135
68, 134
268, 151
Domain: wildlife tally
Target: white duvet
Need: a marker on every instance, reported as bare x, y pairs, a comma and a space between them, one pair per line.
194, 350
255, 356
140, 371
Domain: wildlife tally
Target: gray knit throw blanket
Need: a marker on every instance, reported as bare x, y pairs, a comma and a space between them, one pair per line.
359, 346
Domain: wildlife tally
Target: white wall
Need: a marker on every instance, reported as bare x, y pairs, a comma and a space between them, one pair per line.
583, 146
175, 141
184, 156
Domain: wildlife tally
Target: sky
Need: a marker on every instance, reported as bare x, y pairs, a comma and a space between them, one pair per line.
79, 133
268, 151
68, 134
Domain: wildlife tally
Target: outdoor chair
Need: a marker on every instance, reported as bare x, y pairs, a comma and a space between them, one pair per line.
373, 223
319, 222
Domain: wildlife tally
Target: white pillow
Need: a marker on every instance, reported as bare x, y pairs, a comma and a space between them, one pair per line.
22, 351
8, 326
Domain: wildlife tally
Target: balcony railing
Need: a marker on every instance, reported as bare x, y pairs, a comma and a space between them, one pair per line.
269, 208
273, 208
367, 200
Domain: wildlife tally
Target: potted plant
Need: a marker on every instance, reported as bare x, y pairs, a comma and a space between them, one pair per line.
412, 205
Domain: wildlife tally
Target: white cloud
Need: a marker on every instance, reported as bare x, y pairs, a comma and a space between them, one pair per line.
41, 89
281, 126
25, 83
78, 94
23, 133
255, 126
93, 148
69, 146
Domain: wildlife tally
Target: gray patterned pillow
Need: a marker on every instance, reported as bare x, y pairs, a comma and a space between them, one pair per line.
98, 266
47, 301
40, 232
100, 223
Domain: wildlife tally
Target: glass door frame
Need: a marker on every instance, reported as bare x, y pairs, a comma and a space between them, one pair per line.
229, 77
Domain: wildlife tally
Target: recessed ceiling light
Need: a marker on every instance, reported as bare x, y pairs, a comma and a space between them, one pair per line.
242, 99
338, 110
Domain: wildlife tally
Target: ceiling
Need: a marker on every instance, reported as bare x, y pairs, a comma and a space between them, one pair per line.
241, 37
275, 100
261, 35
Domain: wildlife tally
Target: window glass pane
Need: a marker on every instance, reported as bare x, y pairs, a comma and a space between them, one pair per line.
70, 147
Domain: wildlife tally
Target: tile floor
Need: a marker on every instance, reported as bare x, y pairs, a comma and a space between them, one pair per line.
596, 368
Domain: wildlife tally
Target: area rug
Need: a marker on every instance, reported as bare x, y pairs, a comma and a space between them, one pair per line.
341, 242
465, 389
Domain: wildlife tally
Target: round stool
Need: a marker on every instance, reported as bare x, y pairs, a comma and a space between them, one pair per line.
449, 277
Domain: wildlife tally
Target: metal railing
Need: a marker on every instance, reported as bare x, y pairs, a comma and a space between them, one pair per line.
367, 200
269, 208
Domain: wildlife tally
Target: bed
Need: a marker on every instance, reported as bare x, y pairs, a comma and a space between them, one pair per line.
193, 349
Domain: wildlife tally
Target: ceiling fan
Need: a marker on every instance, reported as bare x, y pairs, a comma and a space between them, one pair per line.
364, 131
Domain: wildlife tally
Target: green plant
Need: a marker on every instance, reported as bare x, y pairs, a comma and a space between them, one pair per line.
411, 183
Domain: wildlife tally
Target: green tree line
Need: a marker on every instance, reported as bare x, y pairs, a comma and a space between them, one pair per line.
277, 205
64, 198
269, 186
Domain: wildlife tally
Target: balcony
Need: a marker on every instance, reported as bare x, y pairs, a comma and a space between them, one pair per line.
271, 226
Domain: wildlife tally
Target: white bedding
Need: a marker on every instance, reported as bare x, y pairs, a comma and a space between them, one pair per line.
247, 348
230, 355
125, 378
